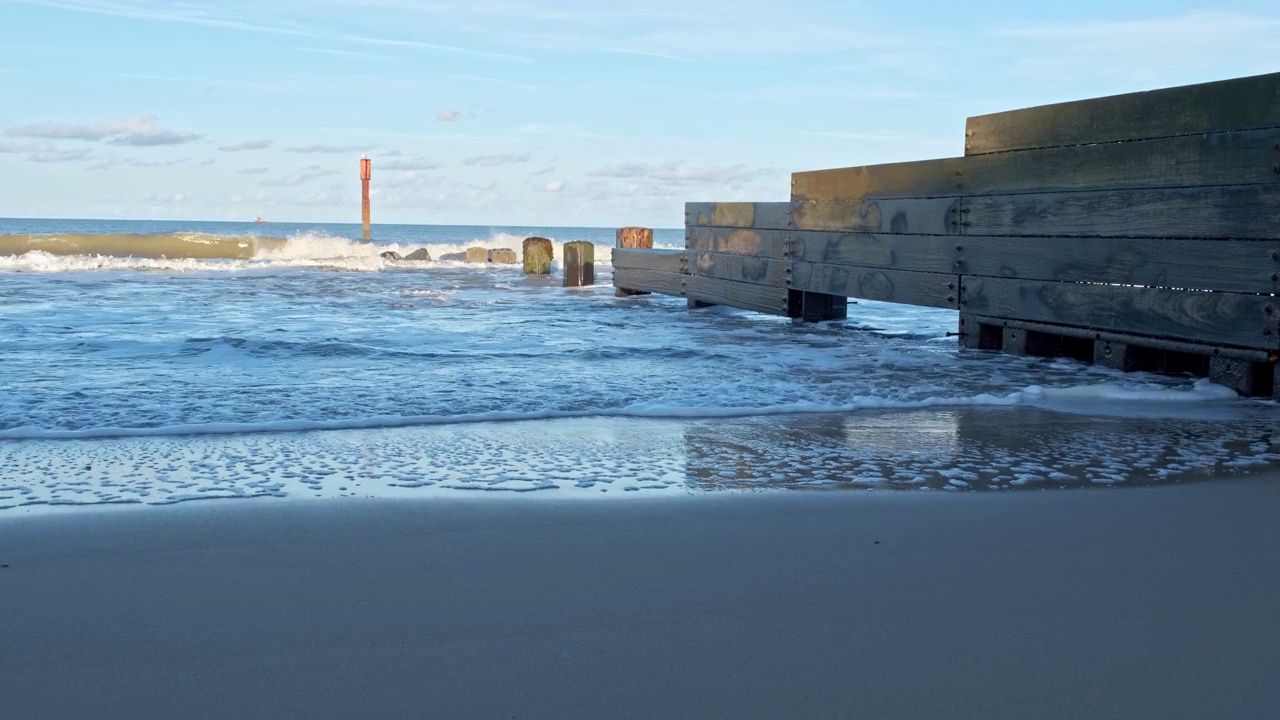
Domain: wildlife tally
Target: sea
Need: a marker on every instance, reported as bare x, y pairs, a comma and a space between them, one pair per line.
150, 363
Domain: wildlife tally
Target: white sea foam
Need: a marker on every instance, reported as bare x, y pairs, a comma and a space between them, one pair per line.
1033, 396
315, 250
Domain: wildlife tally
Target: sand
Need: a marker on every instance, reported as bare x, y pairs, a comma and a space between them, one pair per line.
1138, 602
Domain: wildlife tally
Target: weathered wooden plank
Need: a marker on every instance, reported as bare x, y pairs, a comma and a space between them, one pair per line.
916, 216
738, 241
1249, 266
1231, 158
667, 283
768, 215
742, 268
748, 296
1229, 265
1233, 211
1207, 317
896, 286
660, 260
914, 288
1237, 104
920, 253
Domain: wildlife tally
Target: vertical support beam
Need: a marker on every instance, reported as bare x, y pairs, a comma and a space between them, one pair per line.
1115, 355
538, 253
969, 332
579, 264
366, 174
1232, 373
816, 307
633, 238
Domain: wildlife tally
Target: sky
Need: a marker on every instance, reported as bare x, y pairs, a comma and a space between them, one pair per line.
550, 112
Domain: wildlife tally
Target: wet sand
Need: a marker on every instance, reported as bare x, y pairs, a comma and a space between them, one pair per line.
1136, 602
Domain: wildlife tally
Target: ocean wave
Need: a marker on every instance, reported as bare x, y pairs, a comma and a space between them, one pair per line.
1060, 399
194, 252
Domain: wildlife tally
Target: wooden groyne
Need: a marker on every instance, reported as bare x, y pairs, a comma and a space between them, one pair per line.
1138, 231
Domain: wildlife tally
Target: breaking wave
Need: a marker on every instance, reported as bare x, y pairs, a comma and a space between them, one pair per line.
188, 252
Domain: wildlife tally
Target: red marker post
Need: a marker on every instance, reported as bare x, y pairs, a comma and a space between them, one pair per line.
366, 174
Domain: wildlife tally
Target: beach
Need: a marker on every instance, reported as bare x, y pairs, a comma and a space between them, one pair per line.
316, 482
1137, 602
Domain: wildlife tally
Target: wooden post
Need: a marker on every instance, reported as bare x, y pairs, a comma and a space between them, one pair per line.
633, 238
502, 256
538, 253
366, 174
579, 264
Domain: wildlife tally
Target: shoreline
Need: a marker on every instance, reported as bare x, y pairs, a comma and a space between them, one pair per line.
1156, 601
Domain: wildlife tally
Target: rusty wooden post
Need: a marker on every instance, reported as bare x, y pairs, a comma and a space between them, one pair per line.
366, 174
579, 264
633, 238
538, 253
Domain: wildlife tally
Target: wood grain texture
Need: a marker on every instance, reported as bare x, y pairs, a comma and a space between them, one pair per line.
919, 216
1231, 158
774, 215
1206, 317
667, 283
672, 261
896, 286
1237, 104
1249, 266
738, 241
1235, 211
742, 268
760, 298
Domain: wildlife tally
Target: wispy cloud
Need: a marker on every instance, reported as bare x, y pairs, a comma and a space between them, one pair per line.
301, 176
412, 163
496, 160
216, 15
59, 156
328, 149
682, 173
449, 115
143, 131
247, 145
254, 171
554, 186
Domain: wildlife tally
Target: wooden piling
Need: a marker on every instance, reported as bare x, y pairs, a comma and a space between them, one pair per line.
633, 238
538, 253
579, 264
502, 256
366, 174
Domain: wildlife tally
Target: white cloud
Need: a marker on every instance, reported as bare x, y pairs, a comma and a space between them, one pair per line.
328, 149
449, 115
142, 131
413, 163
682, 173
496, 160
554, 186
247, 145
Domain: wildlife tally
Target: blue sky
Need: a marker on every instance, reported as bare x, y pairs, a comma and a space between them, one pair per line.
556, 112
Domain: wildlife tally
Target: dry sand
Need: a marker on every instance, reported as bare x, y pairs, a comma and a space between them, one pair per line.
1143, 602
